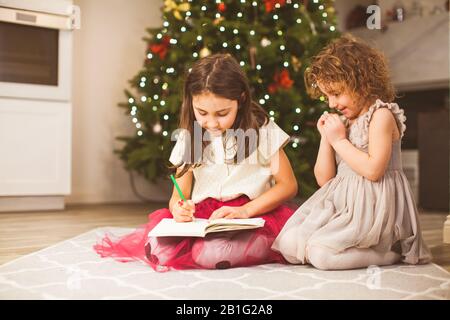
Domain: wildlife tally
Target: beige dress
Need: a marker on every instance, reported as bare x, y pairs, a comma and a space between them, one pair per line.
352, 211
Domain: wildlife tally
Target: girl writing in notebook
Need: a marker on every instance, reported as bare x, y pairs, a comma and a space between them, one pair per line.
364, 213
230, 163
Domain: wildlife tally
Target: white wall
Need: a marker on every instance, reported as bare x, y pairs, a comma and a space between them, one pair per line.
108, 51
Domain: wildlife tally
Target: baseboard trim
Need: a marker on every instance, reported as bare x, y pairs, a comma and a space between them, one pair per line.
36, 203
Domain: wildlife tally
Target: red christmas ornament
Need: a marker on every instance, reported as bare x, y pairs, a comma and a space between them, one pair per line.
282, 81
221, 7
161, 48
270, 4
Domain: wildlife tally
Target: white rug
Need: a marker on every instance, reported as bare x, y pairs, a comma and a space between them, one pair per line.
72, 270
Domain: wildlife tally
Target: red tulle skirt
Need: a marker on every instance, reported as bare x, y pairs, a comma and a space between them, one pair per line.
216, 250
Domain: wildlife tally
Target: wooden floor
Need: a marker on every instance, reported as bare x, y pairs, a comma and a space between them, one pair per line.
26, 232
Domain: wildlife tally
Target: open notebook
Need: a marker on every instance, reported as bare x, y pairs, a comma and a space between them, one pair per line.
201, 227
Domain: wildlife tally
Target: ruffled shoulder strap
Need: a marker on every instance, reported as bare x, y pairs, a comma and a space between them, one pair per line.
398, 113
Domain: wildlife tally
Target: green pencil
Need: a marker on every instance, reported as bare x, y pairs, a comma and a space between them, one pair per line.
178, 187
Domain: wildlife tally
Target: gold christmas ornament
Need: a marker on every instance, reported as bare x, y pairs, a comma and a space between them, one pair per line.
265, 42
171, 5
218, 20
252, 53
296, 63
204, 52
157, 128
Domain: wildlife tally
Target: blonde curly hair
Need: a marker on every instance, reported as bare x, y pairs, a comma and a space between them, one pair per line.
350, 65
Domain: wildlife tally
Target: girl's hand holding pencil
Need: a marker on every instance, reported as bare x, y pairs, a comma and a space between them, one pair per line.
183, 210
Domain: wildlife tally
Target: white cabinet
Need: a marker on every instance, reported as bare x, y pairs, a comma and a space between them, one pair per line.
35, 103
35, 143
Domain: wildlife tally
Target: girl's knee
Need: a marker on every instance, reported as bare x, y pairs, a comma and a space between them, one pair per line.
230, 251
320, 258
209, 253
161, 250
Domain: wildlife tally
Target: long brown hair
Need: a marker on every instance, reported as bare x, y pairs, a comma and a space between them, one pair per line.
221, 75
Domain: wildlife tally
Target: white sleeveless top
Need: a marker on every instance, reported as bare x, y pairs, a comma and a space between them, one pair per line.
217, 179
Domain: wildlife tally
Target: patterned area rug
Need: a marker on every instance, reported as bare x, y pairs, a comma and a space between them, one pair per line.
72, 270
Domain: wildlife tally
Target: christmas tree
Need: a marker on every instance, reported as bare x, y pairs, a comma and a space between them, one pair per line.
273, 40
